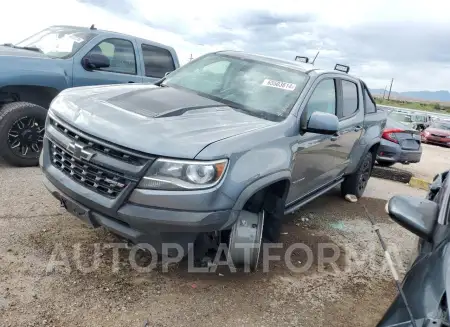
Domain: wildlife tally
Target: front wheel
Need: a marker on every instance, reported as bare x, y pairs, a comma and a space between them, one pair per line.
22, 127
356, 183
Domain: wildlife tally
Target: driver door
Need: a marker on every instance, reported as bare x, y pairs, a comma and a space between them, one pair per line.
315, 163
123, 65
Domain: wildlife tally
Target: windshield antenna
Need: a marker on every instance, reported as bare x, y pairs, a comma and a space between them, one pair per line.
391, 266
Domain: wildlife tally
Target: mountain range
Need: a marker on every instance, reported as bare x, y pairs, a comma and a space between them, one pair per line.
439, 96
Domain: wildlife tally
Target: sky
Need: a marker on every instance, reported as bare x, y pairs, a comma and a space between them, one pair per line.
379, 40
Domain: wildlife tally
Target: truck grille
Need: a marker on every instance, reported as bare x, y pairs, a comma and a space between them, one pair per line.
117, 154
91, 176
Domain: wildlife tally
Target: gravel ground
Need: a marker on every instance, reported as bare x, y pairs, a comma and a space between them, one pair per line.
435, 159
353, 291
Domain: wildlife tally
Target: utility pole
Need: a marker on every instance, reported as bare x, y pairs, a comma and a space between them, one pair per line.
312, 62
190, 58
390, 88
384, 92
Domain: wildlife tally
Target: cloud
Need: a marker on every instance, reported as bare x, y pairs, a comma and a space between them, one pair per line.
406, 40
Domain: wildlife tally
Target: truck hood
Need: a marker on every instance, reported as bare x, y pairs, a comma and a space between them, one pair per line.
14, 52
156, 120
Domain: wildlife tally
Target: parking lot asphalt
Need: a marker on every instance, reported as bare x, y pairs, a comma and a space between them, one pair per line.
355, 291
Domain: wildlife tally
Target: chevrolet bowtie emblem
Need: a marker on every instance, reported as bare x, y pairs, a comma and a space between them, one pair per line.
80, 151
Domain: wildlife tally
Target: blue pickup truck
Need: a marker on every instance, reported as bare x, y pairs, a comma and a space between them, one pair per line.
35, 70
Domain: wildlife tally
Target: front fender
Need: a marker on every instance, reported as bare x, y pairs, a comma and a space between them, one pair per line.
52, 73
259, 185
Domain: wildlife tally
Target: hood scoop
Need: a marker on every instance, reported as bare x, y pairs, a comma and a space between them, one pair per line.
157, 102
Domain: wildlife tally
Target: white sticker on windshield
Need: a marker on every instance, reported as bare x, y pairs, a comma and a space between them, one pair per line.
279, 84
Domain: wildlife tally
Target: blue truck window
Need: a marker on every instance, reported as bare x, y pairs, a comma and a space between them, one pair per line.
120, 53
157, 61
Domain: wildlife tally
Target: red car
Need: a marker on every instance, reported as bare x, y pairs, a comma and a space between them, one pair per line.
437, 133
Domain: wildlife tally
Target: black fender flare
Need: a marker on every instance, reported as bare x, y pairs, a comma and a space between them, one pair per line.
355, 165
259, 185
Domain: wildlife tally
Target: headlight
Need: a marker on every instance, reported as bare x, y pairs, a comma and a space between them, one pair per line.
169, 174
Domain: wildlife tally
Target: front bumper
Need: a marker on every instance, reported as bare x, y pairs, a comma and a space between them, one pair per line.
141, 224
436, 140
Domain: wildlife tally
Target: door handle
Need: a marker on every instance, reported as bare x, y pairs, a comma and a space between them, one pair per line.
334, 137
130, 82
357, 128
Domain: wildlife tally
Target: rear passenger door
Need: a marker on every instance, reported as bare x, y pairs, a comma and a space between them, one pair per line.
157, 62
123, 64
350, 112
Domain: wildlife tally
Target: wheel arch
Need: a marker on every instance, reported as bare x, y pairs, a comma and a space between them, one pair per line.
36, 94
278, 182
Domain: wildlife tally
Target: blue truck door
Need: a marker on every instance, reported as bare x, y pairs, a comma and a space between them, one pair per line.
156, 61
124, 63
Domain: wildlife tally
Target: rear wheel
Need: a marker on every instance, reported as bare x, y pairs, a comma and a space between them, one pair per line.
22, 127
356, 183
385, 163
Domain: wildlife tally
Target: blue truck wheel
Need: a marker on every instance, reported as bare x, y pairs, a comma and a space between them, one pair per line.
22, 126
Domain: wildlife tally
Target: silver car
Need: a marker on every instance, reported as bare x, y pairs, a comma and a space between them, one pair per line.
399, 143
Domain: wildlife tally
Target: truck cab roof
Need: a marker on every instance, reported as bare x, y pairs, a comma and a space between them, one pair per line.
292, 64
113, 34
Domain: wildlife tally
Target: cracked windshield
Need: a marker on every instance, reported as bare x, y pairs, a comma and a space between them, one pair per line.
242, 164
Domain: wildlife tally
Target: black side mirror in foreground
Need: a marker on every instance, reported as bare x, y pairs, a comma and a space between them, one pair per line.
96, 61
322, 123
416, 214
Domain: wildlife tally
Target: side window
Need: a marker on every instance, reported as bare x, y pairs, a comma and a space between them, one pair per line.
349, 98
369, 105
120, 53
323, 98
157, 61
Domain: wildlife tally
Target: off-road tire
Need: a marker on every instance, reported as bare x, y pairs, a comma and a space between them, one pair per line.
385, 163
356, 183
9, 114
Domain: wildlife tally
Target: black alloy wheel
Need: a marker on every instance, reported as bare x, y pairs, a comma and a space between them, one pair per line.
26, 136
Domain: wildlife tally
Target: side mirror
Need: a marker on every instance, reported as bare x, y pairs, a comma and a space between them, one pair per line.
95, 61
416, 214
322, 123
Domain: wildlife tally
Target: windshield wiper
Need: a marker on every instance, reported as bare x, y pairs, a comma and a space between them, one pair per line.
35, 49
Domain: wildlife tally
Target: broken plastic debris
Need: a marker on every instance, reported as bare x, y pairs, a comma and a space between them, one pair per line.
194, 285
351, 198
339, 225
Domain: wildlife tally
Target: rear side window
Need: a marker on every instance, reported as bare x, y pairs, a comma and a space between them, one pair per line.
369, 105
157, 61
349, 98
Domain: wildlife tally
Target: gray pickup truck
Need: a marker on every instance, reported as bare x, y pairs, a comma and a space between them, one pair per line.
215, 152
35, 70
